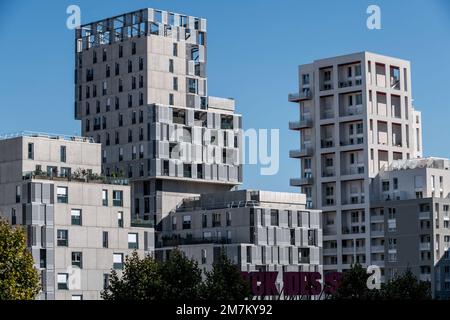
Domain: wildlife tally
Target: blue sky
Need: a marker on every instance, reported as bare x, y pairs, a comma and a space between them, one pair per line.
254, 48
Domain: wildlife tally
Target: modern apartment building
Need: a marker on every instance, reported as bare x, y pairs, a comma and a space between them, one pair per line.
414, 209
141, 91
356, 117
78, 223
258, 230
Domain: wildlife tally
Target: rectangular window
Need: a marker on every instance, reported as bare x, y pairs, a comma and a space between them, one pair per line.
18, 194
105, 197
62, 280
105, 239
77, 259
117, 198
63, 153
120, 219
133, 241
274, 217
62, 194
186, 222
62, 238
105, 280
175, 49
31, 151
75, 215
118, 261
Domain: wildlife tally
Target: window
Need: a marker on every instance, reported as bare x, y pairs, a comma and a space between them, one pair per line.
118, 261
77, 259
385, 185
228, 219
75, 215
105, 239
395, 183
133, 48
76, 297
105, 197
274, 217
205, 221
31, 151
62, 279
62, 238
171, 102
216, 220
120, 51
120, 219
62, 194
175, 83
13, 217
117, 198
186, 222
133, 241
203, 256
63, 153
18, 193
171, 65
105, 280
175, 49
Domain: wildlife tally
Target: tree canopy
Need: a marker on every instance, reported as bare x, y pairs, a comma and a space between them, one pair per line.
19, 280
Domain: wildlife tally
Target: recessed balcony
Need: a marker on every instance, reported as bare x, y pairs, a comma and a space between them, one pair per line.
301, 96
298, 182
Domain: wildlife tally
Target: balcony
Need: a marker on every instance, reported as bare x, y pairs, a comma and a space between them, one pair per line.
328, 172
424, 215
425, 246
354, 170
425, 277
330, 251
298, 182
327, 143
301, 96
304, 152
377, 249
352, 111
377, 219
302, 124
377, 233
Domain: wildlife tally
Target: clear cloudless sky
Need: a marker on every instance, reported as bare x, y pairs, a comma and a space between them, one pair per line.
254, 48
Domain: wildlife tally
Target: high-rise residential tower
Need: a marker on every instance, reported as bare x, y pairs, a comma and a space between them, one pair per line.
356, 117
141, 91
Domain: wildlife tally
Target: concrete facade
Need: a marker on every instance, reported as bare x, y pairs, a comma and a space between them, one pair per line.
78, 224
414, 205
258, 230
141, 91
356, 117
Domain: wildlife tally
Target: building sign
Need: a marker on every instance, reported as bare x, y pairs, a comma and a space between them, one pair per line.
294, 283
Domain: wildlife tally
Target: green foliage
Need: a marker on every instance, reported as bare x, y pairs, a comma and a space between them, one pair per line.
181, 277
353, 285
225, 282
178, 278
19, 280
406, 287
140, 280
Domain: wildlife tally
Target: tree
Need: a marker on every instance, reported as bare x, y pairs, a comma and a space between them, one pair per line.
353, 285
19, 280
181, 278
406, 287
225, 282
140, 280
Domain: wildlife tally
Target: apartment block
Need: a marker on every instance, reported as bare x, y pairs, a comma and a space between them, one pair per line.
356, 117
78, 223
141, 91
258, 231
413, 212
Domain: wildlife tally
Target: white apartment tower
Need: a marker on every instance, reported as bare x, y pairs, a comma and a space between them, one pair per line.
141, 91
356, 117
